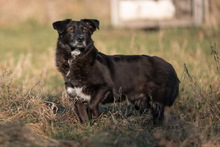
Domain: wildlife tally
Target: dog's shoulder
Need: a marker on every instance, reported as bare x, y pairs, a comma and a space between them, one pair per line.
102, 58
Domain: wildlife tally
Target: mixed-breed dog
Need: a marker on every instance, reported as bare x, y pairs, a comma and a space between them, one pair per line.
93, 78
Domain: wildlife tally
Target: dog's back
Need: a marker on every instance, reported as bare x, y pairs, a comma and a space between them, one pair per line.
142, 75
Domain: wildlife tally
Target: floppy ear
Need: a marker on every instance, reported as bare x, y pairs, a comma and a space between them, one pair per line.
61, 25
92, 23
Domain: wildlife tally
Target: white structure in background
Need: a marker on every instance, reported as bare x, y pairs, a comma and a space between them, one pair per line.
159, 13
146, 9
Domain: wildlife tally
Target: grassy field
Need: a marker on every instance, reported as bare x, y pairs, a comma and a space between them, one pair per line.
33, 101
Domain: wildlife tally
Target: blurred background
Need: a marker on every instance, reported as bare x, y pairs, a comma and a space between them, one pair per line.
46, 12
15, 12
28, 41
185, 33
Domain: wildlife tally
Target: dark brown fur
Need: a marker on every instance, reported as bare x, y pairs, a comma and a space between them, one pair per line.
150, 83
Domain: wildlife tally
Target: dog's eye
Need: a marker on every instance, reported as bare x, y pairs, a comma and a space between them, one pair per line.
84, 31
71, 30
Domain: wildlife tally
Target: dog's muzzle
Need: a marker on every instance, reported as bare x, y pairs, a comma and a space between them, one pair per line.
78, 42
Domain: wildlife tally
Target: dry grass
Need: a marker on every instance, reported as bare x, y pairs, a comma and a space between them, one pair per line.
28, 112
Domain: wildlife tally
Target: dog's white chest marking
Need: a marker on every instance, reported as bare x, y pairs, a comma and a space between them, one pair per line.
75, 52
79, 93
70, 91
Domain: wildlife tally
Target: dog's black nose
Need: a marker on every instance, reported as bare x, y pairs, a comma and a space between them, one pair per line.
80, 39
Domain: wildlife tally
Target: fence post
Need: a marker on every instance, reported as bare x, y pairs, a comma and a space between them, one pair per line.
198, 7
115, 12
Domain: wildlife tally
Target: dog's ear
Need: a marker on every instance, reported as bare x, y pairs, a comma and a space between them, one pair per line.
61, 25
92, 23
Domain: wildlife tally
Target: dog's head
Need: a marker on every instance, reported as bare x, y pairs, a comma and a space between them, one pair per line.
76, 34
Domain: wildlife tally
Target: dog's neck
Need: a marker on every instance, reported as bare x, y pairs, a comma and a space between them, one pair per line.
82, 63
76, 52
84, 56
89, 50
81, 51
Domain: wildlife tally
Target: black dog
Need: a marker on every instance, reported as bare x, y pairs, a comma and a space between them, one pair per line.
150, 83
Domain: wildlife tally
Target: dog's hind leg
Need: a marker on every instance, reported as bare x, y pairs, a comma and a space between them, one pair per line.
157, 111
141, 104
145, 104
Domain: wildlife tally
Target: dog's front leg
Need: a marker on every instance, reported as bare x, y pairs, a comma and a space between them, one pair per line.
81, 110
94, 107
94, 102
